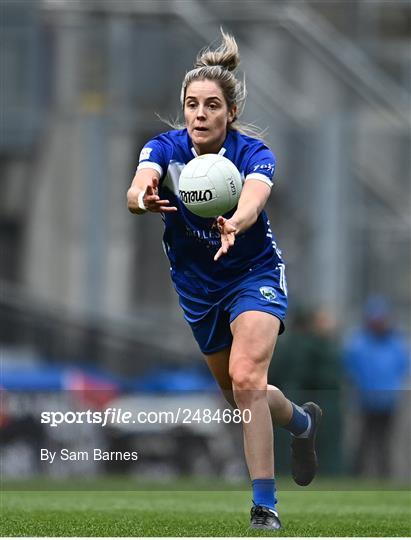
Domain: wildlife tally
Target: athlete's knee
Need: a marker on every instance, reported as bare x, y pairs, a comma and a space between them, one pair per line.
245, 377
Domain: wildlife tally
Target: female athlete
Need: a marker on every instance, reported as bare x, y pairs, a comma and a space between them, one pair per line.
228, 272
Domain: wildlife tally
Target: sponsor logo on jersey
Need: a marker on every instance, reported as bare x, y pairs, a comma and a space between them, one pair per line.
269, 167
207, 237
195, 195
268, 293
145, 154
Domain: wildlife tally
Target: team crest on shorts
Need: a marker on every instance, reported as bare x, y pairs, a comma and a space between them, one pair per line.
268, 293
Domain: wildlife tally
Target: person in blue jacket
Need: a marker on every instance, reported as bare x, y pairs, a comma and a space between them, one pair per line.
228, 272
376, 363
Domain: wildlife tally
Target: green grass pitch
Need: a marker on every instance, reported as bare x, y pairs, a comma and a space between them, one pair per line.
304, 512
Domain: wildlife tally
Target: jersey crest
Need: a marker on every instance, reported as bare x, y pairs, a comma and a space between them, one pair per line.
268, 293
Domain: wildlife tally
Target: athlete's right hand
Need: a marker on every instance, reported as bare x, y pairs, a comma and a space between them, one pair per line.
152, 201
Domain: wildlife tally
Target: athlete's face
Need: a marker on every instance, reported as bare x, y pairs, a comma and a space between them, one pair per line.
207, 116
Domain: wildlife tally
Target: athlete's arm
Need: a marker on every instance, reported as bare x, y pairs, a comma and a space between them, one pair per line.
146, 181
253, 197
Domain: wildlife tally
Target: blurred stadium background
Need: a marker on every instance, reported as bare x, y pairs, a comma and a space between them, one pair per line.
88, 316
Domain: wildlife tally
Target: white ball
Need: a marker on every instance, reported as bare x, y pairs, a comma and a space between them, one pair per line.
210, 185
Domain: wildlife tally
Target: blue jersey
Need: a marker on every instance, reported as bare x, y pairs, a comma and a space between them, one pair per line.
190, 241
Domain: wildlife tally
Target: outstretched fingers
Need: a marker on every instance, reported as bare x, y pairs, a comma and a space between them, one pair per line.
166, 209
227, 235
152, 201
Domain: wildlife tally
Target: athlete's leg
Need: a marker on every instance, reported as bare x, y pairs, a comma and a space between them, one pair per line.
280, 407
254, 338
218, 364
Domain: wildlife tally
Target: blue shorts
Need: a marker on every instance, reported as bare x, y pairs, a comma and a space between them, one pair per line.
210, 318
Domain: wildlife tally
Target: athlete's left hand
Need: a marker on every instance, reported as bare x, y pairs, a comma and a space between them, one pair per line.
227, 230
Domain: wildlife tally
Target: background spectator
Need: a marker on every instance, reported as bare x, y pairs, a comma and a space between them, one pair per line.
375, 361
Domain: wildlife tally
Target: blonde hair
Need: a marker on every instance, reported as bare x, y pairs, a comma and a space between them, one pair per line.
218, 65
